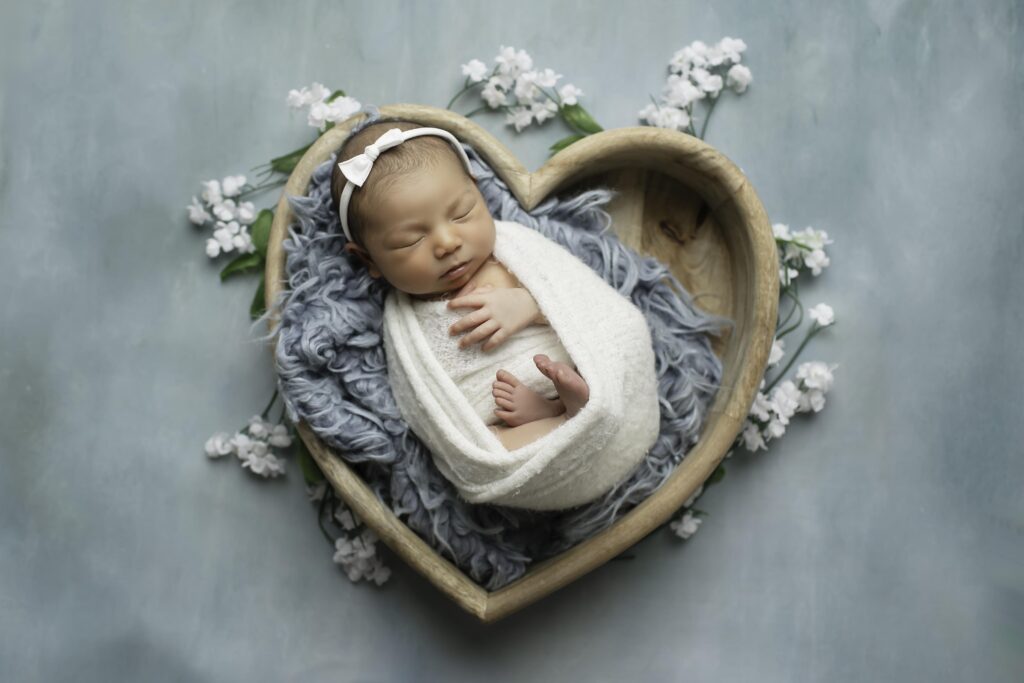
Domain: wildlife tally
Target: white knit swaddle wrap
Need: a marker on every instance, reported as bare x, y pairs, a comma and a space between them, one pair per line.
606, 337
474, 370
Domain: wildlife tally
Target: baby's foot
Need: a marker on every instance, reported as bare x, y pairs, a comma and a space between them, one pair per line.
572, 388
519, 404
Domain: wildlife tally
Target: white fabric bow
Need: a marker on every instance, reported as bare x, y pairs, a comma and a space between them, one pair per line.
357, 169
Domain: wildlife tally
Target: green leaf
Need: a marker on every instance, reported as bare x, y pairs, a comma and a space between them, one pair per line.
287, 163
577, 117
335, 95
260, 231
259, 306
310, 471
565, 142
716, 476
243, 264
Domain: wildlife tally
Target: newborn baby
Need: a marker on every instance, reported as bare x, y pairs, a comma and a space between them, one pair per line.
419, 221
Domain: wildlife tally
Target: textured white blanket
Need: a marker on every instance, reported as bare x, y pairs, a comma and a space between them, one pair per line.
606, 337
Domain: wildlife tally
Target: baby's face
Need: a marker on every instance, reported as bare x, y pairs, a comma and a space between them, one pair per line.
430, 220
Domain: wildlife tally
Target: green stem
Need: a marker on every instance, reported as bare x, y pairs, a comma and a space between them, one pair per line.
813, 331
320, 516
707, 117
465, 86
266, 410
796, 303
260, 188
478, 109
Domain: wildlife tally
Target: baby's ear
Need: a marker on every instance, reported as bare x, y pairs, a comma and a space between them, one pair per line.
364, 256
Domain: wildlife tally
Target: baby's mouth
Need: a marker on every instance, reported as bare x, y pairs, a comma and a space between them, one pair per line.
455, 270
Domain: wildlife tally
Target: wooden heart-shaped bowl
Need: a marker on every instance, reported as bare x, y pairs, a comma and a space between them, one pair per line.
680, 201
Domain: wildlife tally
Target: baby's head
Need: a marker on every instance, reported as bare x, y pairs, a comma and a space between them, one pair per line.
418, 213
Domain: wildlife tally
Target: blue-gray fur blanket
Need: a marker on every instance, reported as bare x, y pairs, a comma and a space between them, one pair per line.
332, 374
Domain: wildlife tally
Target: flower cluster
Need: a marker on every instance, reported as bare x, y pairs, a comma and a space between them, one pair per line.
229, 217
802, 249
253, 446
770, 412
324, 106
355, 552
697, 72
516, 87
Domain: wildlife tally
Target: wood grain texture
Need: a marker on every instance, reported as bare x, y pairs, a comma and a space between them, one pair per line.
680, 201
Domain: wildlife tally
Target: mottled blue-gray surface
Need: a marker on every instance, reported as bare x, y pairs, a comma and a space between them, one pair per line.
882, 539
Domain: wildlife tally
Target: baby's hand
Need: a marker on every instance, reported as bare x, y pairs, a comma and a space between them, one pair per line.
500, 313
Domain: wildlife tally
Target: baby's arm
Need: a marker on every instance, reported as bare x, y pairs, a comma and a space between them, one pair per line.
501, 312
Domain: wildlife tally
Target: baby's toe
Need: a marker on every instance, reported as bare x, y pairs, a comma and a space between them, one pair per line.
507, 377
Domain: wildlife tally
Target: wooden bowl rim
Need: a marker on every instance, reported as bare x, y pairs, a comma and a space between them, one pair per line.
725, 418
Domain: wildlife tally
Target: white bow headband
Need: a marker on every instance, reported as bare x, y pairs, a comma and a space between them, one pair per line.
357, 169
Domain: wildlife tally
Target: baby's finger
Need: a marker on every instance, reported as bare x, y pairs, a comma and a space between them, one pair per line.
496, 340
470, 321
469, 301
480, 333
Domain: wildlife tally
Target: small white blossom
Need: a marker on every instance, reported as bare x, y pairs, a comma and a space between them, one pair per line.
358, 557
346, 518
224, 210
211, 192
813, 399
781, 231
316, 492
685, 526
219, 445
475, 69
570, 94
317, 115
680, 92
693, 497
492, 95
816, 375
816, 261
243, 243
777, 426
526, 89
738, 78
543, 110
197, 214
731, 48
243, 445
665, 117
752, 438
822, 314
259, 427
341, 108
279, 437
706, 81
246, 213
513, 62
212, 248
787, 274
761, 407
813, 239
520, 117
546, 78
232, 185
307, 96
262, 462
785, 397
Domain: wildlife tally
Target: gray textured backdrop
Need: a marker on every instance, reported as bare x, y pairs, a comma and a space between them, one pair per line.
878, 540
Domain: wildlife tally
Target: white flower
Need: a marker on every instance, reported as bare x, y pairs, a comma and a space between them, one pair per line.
685, 526
526, 90
777, 352
781, 231
816, 375
259, 427
301, 98
786, 274
243, 445
694, 54
665, 117
246, 213
211, 192
543, 110
813, 239
492, 95
680, 92
224, 237
316, 492
341, 108
813, 399
212, 248
512, 62
262, 462
569, 94
706, 81
475, 69
546, 78
279, 437
761, 407
317, 116
243, 242
232, 185
224, 210
816, 260
732, 47
197, 214
346, 518
776, 427
715, 56
822, 314
738, 77
786, 398
218, 445
358, 557
520, 117
752, 438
